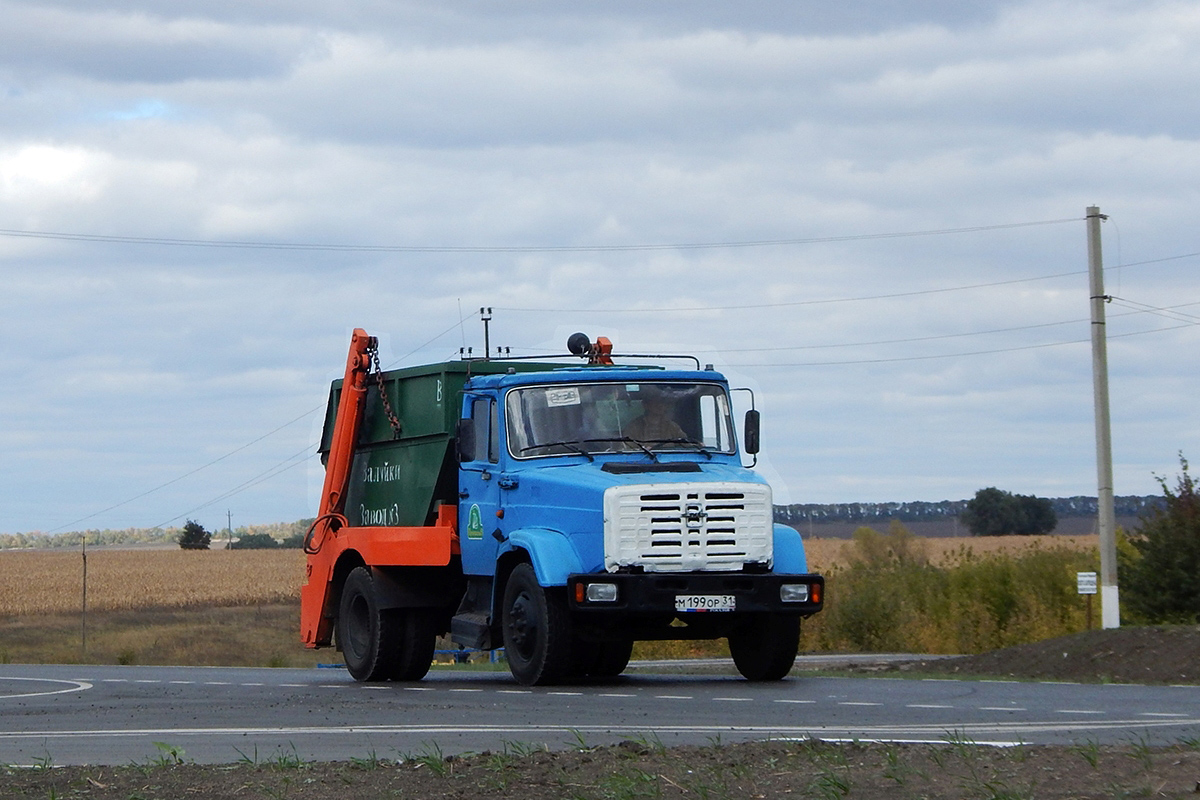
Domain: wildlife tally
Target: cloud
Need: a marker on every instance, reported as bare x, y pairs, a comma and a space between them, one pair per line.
881, 375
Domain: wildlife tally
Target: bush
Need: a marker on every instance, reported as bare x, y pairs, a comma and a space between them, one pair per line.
890, 598
1158, 578
254, 541
194, 537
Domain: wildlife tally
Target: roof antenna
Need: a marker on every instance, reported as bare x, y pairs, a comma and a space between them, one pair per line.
485, 314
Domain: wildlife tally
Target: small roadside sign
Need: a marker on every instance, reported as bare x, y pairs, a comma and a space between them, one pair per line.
1085, 582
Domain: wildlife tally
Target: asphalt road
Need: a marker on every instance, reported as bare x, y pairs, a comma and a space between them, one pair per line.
115, 715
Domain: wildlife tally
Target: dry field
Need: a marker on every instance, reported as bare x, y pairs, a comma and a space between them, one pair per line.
824, 554
41, 582
46, 582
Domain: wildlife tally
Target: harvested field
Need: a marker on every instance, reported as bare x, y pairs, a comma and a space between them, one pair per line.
824, 554
51, 581
43, 582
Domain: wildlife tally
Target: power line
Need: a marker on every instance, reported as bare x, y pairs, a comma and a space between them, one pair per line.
177, 479
162, 241
960, 355
828, 301
1167, 312
793, 303
1144, 310
292, 461
306, 415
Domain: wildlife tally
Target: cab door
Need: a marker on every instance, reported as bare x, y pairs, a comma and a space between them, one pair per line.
480, 515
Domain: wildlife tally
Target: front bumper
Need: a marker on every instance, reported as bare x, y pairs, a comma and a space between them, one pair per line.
656, 593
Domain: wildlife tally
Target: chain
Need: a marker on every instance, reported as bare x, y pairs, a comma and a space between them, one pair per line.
377, 370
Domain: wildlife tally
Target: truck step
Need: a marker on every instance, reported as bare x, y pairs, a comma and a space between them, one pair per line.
472, 629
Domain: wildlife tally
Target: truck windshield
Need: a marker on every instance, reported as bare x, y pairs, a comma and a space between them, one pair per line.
650, 416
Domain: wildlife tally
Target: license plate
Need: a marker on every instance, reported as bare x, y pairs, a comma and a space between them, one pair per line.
704, 602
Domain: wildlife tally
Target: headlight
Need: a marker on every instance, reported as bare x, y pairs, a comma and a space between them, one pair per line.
793, 592
601, 593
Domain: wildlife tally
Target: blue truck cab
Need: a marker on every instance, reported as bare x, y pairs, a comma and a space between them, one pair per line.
601, 505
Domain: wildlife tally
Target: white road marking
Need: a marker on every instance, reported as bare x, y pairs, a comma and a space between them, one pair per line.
673, 696
733, 699
798, 702
1160, 714
1075, 711
850, 703
932, 732
74, 686
927, 705
1001, 708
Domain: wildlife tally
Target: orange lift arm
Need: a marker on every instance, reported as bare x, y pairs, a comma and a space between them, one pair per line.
330, 534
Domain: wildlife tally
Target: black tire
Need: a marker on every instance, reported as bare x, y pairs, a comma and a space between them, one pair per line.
765, 648
366, 633
599, 659
537, 636
612, 659
418, 637
381, 644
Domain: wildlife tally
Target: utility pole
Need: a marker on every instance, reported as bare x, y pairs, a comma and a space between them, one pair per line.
1110, 610
228, 529
83, 614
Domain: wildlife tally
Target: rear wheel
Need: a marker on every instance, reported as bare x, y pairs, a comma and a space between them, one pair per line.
537, 637
381, 644
418, 637
765, 647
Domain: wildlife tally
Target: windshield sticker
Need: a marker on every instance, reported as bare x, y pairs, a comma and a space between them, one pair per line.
564, 396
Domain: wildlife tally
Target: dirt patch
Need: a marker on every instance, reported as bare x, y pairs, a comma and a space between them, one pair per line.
955, 769
1151, 654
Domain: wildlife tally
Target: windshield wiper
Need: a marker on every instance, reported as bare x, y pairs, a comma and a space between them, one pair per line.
574, 447
697, 446
630, 440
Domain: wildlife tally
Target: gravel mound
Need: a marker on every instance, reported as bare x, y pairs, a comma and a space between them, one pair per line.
1148, 654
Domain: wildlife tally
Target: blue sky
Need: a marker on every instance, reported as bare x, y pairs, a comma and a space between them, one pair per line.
917, 367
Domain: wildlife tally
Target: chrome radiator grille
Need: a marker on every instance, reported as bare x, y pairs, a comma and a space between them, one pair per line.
678, 527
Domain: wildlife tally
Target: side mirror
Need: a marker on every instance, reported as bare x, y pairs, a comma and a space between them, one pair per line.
464, 437
750, 437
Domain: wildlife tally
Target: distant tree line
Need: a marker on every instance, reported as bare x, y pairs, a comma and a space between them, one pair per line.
921, 511
285, 534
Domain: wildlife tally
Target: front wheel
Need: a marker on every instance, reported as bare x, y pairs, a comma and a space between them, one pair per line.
765, 648
537, 637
